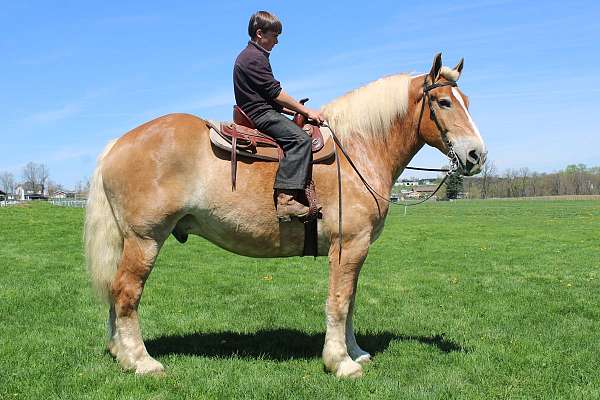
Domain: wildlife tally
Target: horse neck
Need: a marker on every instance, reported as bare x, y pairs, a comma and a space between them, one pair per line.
382, 161
405, 141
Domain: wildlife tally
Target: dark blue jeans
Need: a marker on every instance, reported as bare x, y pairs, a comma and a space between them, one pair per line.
297, 148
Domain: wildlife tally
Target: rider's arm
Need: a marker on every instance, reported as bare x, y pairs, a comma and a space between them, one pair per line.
289, 103
287, 111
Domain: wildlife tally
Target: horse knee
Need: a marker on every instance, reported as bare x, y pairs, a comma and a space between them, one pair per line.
127, 291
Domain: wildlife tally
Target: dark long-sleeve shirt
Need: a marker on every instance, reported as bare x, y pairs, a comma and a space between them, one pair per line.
254, 85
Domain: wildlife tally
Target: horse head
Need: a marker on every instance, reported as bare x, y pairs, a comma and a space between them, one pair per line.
444, 120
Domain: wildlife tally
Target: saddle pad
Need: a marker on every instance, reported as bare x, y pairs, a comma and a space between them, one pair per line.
268, 153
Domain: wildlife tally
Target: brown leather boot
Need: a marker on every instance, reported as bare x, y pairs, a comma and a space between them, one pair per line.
288, 207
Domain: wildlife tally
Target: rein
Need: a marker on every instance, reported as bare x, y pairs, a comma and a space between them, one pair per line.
454, 161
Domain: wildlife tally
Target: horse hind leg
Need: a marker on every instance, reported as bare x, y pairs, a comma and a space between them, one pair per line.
125, 342
113, 338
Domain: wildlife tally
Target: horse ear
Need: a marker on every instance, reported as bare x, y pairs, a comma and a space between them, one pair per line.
435, 69
459, 66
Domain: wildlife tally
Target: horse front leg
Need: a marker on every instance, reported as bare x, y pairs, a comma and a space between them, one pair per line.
339, 339
355, 352
126, 342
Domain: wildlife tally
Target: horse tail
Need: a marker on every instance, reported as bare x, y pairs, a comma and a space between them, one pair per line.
102, 236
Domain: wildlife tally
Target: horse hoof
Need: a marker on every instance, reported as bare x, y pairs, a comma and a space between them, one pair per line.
112, 348
149, 366
363, 359
349, 369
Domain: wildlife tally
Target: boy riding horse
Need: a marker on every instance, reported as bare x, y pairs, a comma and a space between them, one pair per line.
262, 99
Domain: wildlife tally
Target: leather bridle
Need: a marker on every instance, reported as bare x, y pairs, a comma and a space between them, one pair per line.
453, 158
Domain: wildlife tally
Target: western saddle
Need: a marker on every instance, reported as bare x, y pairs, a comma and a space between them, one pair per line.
241, 138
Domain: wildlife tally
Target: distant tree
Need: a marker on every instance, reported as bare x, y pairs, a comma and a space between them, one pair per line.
523, 179
555, 183
533, 184
83, 187
54, 187
508, 183
488, 173
44, 174
35, 176
472, 187
29, 174
454, 185
7, 182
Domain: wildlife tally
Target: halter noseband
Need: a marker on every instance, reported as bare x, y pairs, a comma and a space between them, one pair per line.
454, 161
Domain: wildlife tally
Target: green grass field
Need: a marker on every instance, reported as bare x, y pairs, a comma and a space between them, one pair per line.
456, 300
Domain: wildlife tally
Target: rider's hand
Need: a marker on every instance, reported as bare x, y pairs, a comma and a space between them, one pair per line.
316, 116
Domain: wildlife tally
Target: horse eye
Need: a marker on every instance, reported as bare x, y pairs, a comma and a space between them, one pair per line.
445, 103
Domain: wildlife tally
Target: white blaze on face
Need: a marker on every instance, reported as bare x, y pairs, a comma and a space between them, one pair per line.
462, 104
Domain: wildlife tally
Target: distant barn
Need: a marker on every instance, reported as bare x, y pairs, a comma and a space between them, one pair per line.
63, 194
35, 196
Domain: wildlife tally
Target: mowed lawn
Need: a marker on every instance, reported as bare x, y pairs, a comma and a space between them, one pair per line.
470, 299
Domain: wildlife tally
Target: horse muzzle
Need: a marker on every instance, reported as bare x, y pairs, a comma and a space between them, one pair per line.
471, 155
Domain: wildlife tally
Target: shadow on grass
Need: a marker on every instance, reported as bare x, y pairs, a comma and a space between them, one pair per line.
278, 344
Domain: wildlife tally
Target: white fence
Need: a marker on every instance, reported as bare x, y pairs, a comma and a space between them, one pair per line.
68, 203
9, 203
55, 202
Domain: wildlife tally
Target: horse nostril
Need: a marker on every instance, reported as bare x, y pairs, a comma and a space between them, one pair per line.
473, 156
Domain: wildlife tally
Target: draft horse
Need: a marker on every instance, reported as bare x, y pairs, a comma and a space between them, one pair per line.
166, 175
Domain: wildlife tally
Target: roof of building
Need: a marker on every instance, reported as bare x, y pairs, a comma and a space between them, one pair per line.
425, 188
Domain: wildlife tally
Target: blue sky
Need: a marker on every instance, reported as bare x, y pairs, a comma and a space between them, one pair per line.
76, 74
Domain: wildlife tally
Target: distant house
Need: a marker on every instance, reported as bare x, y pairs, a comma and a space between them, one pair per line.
409, 183
415, 182
419, 192
35, 196
20, 193
425, 190
63, 194
411, 195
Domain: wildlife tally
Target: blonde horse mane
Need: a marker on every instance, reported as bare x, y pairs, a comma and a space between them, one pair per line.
370, 111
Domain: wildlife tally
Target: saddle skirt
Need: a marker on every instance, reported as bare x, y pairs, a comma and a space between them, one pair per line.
252, 143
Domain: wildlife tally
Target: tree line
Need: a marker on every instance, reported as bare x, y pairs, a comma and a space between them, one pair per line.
575, 179
35, 178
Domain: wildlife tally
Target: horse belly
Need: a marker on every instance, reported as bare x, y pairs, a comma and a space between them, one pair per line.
256, 236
